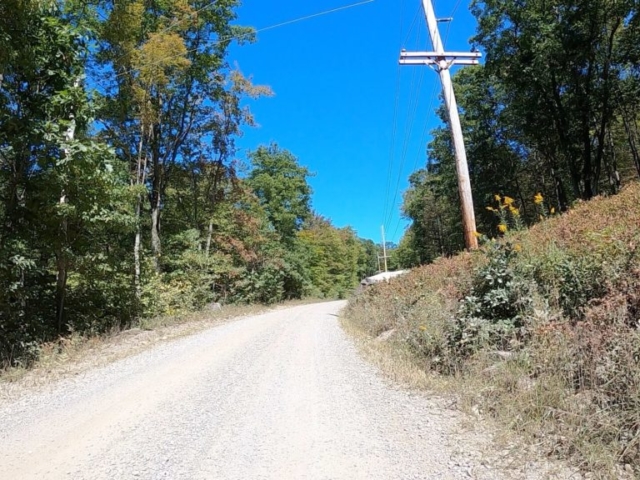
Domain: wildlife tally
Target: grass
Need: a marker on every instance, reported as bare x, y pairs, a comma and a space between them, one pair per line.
538, 331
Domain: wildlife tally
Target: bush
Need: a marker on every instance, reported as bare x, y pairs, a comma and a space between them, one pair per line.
564, 299
495, 311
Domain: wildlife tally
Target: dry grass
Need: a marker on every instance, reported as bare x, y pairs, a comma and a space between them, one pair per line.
570, 381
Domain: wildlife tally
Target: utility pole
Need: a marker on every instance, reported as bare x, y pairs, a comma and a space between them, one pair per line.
442, 61
384, 249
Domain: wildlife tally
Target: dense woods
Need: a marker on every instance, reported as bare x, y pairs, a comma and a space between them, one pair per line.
121, 194
553, 110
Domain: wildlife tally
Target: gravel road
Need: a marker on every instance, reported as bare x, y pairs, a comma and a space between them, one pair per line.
283, 395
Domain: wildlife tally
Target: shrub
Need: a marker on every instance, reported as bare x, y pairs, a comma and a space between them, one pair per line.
495, 310
564, 298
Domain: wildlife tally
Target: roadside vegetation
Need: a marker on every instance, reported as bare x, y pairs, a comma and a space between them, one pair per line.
122, 195
538, 329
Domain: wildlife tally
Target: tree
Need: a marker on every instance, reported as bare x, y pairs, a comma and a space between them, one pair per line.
557, 63
281, 185
333, 257
171, 95
60, 191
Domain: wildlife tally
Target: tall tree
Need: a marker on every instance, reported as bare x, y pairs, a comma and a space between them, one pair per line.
170, 94
558, 65
281, 185
58, 188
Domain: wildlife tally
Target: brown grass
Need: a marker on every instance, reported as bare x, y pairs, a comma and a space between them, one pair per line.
571, 384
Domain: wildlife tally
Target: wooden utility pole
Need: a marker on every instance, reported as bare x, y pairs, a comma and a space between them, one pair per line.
442, 61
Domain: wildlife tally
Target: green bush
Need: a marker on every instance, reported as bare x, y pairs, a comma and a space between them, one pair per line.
496, 309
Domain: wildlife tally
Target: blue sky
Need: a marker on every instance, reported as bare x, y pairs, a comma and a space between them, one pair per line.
338, 94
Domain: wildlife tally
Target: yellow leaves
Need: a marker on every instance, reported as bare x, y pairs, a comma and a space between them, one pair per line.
159, 60
162, 55
244, 85
124, 24
491, 209
477, 234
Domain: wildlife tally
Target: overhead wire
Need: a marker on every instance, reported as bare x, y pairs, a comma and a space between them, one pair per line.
260, 30
412, 109
423, 136
414, 103
394, 126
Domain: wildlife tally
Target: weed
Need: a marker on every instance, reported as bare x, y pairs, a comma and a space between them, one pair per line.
539, 330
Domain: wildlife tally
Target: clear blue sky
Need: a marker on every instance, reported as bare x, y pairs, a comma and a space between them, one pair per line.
336, 79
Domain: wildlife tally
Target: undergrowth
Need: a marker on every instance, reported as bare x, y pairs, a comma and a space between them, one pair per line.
538, 329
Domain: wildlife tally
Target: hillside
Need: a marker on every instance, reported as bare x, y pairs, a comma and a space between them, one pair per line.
538, 329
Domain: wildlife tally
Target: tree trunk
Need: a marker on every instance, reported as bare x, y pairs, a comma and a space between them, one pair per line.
156, 191
136, 253
61, 275
140, 179
631, 139
156, 245
61, 255
209, 236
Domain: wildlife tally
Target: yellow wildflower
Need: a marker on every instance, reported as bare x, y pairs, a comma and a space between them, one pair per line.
518, 247
477, 234
514, 210
508, 201
491, 209
497, 197
553, 210
538, 199
423, 328
502, 228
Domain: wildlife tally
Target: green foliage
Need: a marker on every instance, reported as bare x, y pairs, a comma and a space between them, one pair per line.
496, 309
539, 329
125, 203
281, 185
436, 228
334, 258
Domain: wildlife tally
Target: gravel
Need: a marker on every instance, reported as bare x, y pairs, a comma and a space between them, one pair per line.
283, 395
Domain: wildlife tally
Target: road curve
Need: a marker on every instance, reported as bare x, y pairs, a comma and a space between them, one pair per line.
283, 395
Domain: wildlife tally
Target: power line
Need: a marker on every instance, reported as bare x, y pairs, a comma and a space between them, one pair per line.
455, 9
411, 115
394, 130
394, 127
264, 29
413, 24
422, 142
314, 15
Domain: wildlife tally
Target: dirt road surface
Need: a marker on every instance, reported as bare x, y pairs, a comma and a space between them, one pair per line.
282, 395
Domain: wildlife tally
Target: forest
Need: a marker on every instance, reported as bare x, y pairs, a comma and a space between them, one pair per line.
551, 113
122, 196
